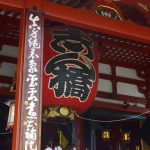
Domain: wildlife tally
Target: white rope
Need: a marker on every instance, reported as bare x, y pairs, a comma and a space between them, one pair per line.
115, 120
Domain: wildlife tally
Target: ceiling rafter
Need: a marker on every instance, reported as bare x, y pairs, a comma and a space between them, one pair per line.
123, 43
84, 4
123, 46
73, 2
122, 79
8, 41
119, 97
132, 109
123, 64
9, 28
10, 20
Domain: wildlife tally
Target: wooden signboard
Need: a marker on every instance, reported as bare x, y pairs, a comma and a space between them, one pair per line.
30, 131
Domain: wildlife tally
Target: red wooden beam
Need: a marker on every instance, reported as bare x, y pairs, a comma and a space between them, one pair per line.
8, 59
8, 41
5, 79
80, 18
119, 97
121, 79
128, 65
6, 92
130, 109
15, 5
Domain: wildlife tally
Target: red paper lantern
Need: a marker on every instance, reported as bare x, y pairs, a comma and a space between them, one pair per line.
70, 74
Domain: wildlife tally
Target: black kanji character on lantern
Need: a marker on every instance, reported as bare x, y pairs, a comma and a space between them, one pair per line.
72, 72
71, 77
73, 40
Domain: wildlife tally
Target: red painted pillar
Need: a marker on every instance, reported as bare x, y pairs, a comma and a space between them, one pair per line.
19, 101
19, 83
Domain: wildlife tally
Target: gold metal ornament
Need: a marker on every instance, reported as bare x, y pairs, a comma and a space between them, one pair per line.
64, 111
58, 112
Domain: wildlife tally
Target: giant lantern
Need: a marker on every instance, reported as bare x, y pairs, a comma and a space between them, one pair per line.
70, 73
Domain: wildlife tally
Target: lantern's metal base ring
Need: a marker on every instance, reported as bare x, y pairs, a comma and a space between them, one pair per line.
58, 113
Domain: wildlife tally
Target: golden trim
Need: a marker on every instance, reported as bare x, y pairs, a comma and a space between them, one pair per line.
58, 111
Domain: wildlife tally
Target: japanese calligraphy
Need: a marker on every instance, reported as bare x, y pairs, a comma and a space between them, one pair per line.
72, 71
31, 95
